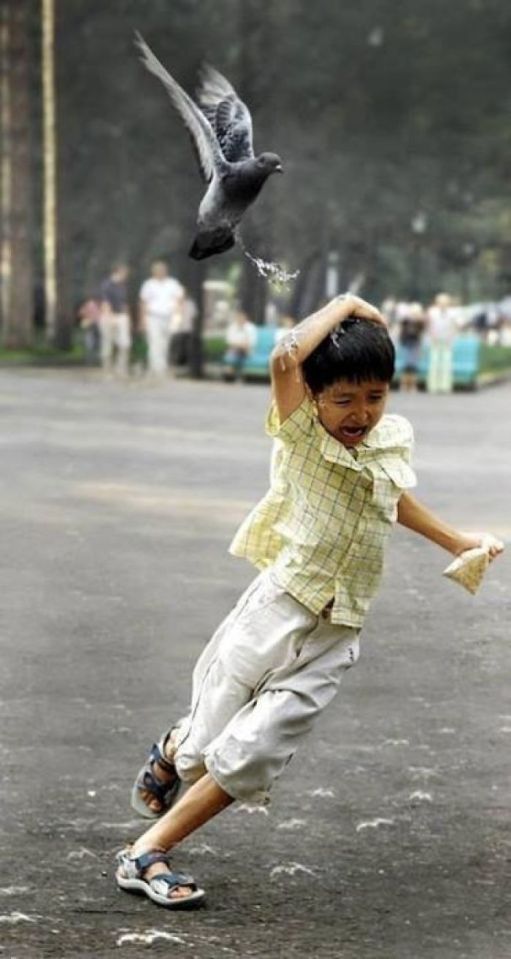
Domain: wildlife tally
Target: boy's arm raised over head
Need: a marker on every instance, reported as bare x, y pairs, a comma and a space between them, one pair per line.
288, 385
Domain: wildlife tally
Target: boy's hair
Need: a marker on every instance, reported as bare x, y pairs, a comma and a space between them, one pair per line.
355, 350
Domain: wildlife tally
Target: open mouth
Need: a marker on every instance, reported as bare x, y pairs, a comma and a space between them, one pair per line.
353, 432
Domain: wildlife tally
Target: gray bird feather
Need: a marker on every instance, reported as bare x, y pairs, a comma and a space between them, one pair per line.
208, 148
227, 114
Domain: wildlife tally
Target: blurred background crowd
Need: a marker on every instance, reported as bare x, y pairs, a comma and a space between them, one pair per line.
393, 124
438, 345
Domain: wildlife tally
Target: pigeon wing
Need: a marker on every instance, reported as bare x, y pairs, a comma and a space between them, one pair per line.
228, 115
207, 146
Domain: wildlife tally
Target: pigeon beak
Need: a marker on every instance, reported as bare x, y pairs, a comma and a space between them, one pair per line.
279, 168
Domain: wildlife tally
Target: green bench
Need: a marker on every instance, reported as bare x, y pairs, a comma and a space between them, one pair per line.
466, 356
257, 363
473, 361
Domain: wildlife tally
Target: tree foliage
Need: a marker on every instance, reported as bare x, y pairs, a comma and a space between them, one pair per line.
389, 115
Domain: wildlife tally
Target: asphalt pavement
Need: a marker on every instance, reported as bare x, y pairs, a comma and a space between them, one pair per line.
389, 836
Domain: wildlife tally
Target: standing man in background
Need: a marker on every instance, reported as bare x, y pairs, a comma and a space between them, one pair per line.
114, 321
442, 329
161, 303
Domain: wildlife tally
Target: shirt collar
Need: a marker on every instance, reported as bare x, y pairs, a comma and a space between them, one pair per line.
379, 438
334, 451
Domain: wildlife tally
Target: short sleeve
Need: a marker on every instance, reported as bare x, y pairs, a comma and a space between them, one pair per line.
396, 460
298, 426
407, 442
144, 290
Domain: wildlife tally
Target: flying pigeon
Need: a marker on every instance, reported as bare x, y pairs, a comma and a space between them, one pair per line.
221, 131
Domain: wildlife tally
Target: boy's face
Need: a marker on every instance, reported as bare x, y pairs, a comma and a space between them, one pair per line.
348, 411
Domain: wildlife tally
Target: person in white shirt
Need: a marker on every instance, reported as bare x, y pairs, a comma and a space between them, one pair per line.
161, 303
442, 329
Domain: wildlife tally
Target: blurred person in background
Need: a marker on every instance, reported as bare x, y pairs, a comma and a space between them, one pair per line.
480, 322
411, 329
161, 301
390, 309
505, 333
442, 328
494, 323
240, 338
505, 321
89, 318
114, 321
181, 331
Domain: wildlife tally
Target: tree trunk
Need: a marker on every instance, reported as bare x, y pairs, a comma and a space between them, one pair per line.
194, 277
59, 158
253, 288
17, 265
256, 38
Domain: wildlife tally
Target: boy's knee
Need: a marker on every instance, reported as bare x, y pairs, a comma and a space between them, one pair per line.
246, 759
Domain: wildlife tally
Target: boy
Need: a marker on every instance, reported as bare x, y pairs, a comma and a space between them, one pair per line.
340, 478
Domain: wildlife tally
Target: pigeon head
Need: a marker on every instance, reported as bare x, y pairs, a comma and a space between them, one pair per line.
269, 163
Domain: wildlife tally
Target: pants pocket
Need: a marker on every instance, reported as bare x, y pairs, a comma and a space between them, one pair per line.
261, 593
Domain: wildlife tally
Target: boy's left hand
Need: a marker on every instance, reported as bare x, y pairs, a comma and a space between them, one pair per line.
485, 540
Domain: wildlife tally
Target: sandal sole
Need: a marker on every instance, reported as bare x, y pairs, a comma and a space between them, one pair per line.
142, 888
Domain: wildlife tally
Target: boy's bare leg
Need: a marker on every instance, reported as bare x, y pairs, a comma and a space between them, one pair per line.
203, 800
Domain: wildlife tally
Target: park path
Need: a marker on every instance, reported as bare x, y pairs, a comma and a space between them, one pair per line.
390, 838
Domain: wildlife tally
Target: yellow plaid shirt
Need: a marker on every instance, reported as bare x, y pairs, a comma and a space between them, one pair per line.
325, 520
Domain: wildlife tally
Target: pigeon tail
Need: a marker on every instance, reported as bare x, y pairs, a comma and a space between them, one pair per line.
211, 242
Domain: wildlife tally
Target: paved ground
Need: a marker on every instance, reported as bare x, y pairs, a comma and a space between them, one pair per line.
390, 838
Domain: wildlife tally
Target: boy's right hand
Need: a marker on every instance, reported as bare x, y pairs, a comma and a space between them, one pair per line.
362, 309
487, 541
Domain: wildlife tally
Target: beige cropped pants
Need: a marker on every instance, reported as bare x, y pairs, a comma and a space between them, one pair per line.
440, 373
115, 334
270, 669
158, 341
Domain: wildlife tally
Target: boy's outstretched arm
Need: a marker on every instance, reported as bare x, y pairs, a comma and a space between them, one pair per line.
287, 381
415, 516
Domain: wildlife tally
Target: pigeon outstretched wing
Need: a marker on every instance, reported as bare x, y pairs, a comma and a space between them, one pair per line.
207, 146
228, 115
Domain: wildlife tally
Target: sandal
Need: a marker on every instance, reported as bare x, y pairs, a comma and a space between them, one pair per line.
130, 878
148, 781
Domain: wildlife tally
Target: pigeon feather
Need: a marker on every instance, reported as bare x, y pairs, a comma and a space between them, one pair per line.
208, 149
228, 115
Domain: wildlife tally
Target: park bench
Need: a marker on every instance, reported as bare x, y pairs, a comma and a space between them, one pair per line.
473, 361
466, 356
465, 361
258, 362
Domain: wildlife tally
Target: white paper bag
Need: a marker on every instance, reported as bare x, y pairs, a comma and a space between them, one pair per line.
468, 568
